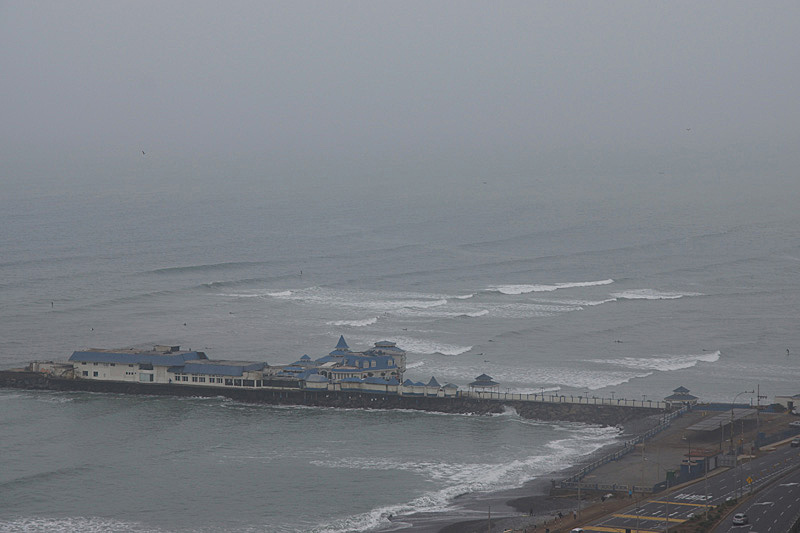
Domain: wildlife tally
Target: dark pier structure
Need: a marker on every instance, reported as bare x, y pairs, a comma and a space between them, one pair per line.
606, 415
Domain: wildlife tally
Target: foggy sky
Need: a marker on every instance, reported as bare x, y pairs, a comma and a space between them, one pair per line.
384, 90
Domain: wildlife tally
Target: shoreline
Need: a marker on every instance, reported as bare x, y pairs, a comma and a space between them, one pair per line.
519, 507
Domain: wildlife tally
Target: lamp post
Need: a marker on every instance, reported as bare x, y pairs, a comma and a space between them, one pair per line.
732, 405
666, 499
733, 450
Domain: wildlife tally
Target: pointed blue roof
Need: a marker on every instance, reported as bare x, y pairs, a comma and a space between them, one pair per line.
305, 358
433, 382
342, 345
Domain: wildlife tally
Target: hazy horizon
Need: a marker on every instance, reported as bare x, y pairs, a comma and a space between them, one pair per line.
640, 101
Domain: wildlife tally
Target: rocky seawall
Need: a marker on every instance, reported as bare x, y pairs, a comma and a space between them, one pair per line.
607, 415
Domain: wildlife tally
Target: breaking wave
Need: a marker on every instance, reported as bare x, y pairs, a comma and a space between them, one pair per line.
73, 525
651, 294
525, 289
465, 478
354, 323
420, 346
663, 363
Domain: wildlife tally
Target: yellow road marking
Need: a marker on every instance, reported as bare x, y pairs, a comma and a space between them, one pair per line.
681, 503
644, 517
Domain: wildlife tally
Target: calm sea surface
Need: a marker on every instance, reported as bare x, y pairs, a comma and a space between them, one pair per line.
600, 297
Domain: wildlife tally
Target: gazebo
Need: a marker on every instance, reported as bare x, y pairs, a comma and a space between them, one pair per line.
681, 396
484, 383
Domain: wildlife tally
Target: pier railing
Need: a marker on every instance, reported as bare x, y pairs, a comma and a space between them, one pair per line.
564, 398
574, 481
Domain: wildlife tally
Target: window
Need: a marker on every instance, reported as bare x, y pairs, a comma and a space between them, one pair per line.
258, 383
248, 383
113, 364
95, 364
86, 373
202, 380
228, 381
94, 374
185, 378
219, 380
237, 382
194, 379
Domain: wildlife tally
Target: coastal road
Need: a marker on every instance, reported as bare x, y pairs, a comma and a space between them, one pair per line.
775, 509
658, 513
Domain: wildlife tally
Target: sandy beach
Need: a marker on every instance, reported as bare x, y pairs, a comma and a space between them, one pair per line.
523, 507
533, 507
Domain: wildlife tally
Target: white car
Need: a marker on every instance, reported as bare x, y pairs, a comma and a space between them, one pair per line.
739, 519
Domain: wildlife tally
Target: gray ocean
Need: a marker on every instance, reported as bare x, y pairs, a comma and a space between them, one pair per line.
594, 293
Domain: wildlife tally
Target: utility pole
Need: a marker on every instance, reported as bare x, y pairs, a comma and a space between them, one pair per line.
759, 397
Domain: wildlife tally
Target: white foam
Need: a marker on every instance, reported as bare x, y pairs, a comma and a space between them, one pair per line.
663, 363
652, 294
577, 303
354, 323
281, 294
465, 297
415, 364
420, 346
90, 524
525, 289
468, 477
437, 312
376, 301
520, 380
531, 310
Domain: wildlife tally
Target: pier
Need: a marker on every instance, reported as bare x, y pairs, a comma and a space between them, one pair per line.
603, 411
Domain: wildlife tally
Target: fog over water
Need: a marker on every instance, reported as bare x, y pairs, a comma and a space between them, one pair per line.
584, 198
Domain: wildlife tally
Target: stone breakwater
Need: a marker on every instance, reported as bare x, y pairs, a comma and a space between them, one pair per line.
606, 415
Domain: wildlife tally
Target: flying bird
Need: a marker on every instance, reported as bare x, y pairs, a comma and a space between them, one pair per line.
142, 152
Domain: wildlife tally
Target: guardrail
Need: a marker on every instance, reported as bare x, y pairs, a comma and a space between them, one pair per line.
573, 482
563, 398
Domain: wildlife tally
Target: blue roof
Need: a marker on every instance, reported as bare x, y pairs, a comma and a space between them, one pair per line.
305, 358
433, 382
351, 380
342, 344
128, 358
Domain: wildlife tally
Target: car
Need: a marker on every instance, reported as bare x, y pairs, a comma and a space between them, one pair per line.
795, 443
796, 423
577, 530
739, 519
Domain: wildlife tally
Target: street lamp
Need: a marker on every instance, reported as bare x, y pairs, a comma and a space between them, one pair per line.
732, 404
735, 453
666, 498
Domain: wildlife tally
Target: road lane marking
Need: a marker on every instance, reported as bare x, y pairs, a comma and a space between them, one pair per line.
681, 503
643, 517
616, 529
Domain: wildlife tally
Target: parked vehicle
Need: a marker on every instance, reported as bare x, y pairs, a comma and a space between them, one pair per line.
795, 443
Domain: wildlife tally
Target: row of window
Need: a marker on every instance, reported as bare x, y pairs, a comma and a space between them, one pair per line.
104, 364
231, 382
